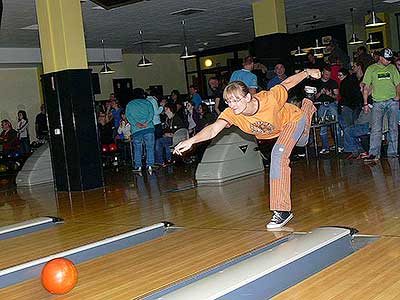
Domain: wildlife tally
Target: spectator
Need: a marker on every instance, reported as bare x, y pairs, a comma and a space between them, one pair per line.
351, 98
194, 96
358, 70
41, 127
280, 76
353, 135
175, 96
23, 132
384, 81
334, 49
116, 115
140, 113
124, 129
192, 117
362, 56
217, 92
206, 117
105, 129
8, 138
313, 62
158, 109
327, 92
245, 75
173, 123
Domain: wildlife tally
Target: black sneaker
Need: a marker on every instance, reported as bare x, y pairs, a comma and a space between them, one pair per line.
279, 219
371, 158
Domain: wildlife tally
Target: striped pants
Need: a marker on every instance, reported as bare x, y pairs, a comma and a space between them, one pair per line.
293, 133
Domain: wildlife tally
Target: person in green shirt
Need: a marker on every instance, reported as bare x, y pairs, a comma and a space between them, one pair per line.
383, 79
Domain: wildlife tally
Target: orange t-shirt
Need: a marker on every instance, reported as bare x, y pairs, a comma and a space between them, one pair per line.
272, 115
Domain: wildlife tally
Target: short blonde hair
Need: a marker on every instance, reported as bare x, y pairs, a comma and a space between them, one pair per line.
235, 90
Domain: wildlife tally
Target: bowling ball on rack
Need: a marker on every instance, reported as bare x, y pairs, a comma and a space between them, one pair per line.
59, 276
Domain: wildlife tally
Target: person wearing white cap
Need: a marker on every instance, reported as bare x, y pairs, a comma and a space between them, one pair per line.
383, 79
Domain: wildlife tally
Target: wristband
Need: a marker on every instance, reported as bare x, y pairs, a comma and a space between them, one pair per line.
365, 104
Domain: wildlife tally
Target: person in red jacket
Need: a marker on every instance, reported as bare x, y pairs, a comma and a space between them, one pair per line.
8, 138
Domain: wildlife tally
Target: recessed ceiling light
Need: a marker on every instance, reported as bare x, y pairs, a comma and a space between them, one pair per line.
229, 33
391, 1
31, 27
169, 45
252, 18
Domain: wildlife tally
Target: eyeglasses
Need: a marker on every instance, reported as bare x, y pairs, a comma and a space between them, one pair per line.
233, 100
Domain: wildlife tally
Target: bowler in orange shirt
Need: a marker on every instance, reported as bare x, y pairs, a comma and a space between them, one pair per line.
267, 115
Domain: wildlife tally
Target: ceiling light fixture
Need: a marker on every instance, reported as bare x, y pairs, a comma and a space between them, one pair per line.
354, 39
318, 46
105, 69
371, 40
185, 54
299, 52
374, 21
143, 62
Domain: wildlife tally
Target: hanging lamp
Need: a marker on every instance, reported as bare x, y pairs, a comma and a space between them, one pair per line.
374, 20
354, 39
144, 61
186, 54
105, 69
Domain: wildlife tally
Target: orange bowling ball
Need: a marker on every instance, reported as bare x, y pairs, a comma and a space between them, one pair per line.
59, 276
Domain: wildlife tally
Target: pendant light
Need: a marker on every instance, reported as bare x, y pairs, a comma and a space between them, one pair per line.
143, 62
317, 45
374, 20
299, 52
354, 39
185, 54
371, 40
105, 69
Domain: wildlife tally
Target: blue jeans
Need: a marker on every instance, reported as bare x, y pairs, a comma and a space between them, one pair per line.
148, 140
329, 109
161, 144
352, 136
348, 116
379, 110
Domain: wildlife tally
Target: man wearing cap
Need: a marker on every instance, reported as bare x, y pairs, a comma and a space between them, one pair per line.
383, 79
246, 76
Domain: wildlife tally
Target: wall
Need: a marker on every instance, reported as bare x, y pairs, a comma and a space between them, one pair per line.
167, 70
19, 91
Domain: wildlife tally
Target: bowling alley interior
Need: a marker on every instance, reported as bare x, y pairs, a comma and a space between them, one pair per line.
199, 150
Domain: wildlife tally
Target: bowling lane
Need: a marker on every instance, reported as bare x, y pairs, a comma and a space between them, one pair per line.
39, 244
136, 271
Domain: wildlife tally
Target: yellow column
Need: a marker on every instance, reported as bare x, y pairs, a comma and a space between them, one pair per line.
61, 35
269, 17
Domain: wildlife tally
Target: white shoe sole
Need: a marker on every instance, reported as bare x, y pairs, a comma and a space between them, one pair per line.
274, 226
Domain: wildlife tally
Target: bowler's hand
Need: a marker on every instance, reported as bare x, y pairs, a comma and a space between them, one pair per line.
314, 73
182, 147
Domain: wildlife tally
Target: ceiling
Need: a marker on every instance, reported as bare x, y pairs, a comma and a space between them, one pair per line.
119, 27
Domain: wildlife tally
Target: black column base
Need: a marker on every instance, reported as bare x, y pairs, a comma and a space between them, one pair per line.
74, 141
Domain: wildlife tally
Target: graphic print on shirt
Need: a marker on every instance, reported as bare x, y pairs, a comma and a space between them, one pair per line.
261, 127
384, 75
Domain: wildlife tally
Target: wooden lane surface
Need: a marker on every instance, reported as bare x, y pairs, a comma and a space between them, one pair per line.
136, 271
327, 192
43, 243
369, 274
